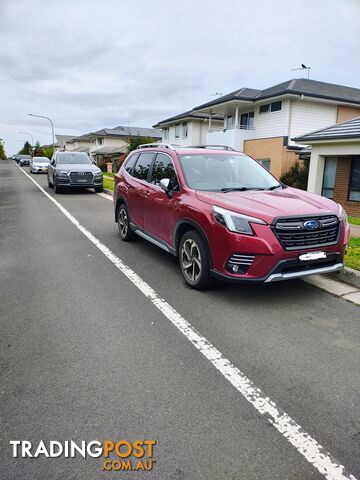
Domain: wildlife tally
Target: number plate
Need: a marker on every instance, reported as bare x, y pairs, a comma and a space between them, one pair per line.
307, 257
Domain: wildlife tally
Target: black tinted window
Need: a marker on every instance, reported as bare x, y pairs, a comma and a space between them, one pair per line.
130, 163
276, 106
163, 168
142, 166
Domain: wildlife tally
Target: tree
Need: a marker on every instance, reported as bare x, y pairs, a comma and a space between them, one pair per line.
38, 150
26, 150
134, 142
2, 151
48, 152
297, 175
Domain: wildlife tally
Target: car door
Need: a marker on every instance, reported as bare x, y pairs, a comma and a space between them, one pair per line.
160, 207
137, 188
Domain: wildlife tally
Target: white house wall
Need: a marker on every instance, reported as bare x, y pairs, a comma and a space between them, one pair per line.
308, 116
272, 124
196, 133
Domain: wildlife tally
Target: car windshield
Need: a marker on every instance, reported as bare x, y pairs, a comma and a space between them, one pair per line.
77, 158
225, 172
41, 160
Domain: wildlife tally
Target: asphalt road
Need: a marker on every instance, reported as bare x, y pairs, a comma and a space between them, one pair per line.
86, 356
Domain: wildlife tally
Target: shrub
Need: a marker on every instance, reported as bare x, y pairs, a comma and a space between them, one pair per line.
102, 165
297, 175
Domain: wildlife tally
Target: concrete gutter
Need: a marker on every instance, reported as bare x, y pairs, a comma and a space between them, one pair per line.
347, 275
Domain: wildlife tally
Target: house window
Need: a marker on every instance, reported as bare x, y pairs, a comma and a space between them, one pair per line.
270, 107
177, 130
247, 120
275, 106
166, 134
354, 191
266, 163
99, 141
229, 121
329, 178
185, 129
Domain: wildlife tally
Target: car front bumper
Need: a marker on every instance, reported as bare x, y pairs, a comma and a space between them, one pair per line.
261, 258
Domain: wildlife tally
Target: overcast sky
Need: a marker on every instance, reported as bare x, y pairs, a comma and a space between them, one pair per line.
93, 64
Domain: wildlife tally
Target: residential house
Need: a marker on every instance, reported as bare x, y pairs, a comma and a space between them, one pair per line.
110, 144
61, 140
188, 128
335, 163
262, 123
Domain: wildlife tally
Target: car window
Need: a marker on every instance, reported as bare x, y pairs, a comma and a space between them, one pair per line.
130, 163
142, 167
163, 168
73, 158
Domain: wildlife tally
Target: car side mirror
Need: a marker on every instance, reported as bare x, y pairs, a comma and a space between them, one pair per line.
165, 184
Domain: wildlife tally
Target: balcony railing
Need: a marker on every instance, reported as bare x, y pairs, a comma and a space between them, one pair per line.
233, 127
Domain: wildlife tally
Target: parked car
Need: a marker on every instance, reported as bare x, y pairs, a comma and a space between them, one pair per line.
39, 165
73, 170
23, 159
226, 217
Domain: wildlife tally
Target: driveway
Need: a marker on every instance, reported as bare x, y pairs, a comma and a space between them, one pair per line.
88, 352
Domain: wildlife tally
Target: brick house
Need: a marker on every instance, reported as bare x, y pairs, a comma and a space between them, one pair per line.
263, 123
335, 163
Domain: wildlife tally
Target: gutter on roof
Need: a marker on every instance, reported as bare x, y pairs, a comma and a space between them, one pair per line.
324, 139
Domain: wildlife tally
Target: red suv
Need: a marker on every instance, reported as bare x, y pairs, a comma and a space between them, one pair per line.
225, 216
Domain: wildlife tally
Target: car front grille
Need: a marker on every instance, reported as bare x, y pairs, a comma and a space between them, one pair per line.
78, 178
293, 235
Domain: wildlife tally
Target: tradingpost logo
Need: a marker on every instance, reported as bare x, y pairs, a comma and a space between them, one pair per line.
117, 455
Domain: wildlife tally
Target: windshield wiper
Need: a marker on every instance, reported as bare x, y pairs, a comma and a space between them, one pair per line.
274, 186
239, 189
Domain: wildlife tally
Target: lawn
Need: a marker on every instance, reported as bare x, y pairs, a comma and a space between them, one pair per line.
354, 220
108, 181
352, 258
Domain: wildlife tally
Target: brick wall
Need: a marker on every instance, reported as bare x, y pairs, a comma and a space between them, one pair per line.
345, 113
341, 189
272, 149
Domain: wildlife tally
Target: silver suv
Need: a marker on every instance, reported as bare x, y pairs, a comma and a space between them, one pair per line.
73, 170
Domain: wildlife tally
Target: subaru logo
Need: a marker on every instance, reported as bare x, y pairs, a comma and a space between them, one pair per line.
311, 225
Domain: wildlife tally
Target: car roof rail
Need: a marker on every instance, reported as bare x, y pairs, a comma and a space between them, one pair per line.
158, 145
214, 147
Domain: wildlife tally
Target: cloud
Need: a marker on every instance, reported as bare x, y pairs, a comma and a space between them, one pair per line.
90, 64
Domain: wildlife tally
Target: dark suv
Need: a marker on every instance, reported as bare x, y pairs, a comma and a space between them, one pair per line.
225, 216
73, 170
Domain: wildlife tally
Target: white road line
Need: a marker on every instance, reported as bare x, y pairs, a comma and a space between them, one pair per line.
307, 446
105, 195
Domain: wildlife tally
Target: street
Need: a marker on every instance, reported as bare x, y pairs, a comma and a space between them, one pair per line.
85, 354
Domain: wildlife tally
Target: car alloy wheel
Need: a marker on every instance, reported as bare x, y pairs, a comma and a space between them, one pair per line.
194, 259
124, 224
191, 260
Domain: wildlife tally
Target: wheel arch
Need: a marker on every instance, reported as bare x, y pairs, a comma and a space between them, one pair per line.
184, 225
119, 201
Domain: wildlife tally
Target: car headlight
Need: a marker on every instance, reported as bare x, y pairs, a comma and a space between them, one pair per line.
61, 172
342, 214
235, 222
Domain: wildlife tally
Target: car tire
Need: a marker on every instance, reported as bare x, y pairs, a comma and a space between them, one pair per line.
195, 260
50, 185
123, 221
98, 189
56, 188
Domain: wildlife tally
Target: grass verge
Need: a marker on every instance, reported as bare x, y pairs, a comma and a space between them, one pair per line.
352, 257
108, 181
354, 220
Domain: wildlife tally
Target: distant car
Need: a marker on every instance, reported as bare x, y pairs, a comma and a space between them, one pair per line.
39, 165
24, 160
73, 170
